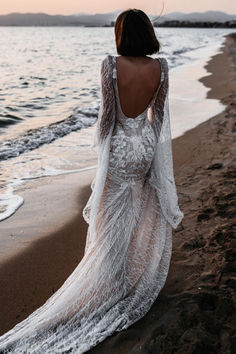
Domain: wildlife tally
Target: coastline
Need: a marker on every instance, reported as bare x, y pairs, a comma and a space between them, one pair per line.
192, 314
189, 105
45, 264
192, 93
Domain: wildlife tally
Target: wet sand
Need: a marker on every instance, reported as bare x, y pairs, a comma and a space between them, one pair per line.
193, 311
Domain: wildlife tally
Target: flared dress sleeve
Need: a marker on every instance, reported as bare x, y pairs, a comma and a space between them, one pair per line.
101, 141
161, 175
106, 114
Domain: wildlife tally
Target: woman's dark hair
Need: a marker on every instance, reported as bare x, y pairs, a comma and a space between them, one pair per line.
135, 34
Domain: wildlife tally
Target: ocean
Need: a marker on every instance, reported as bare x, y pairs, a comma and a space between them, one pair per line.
50, 96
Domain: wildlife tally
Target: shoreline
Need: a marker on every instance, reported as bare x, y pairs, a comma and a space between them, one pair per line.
192, 313
193, 92
189, 103
185, 76
191, 72
64, 247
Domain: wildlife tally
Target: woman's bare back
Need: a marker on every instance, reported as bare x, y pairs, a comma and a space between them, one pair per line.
137, 78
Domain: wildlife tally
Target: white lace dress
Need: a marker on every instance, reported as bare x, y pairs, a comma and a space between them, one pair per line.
131, 211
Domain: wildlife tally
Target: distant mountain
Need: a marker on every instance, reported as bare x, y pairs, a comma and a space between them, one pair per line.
36, 19
81, 13
208, 16
104, 19
42, 19
98, 19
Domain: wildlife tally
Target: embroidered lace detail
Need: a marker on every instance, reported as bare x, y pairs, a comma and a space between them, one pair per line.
130, 214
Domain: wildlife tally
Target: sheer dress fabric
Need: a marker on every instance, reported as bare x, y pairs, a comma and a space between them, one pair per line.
130, 214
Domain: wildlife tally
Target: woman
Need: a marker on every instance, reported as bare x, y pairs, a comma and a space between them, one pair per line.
131, 210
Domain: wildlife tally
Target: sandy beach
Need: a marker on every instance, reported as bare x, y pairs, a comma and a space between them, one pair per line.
193, 311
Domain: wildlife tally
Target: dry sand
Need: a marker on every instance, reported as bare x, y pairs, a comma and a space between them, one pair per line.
193, 311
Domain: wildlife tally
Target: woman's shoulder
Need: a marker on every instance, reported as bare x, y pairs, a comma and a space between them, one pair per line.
162, 59
108, 58
164, 65
165, 62
107, 61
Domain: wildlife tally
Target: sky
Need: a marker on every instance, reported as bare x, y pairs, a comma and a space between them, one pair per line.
68, 7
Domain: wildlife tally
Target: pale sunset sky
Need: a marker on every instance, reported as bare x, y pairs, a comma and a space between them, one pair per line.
69, 7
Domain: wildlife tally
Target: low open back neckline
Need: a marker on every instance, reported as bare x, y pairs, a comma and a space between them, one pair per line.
153, 96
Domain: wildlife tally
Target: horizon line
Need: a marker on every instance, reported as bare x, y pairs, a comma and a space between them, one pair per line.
102, 13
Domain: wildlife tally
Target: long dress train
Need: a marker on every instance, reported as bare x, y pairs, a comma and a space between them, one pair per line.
130, 214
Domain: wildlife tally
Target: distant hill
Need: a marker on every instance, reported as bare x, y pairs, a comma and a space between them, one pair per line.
98, 19
104, 19
208, 16
42, 19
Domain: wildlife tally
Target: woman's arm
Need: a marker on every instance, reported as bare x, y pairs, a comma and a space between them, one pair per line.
161, 174
107, 104
157, 110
